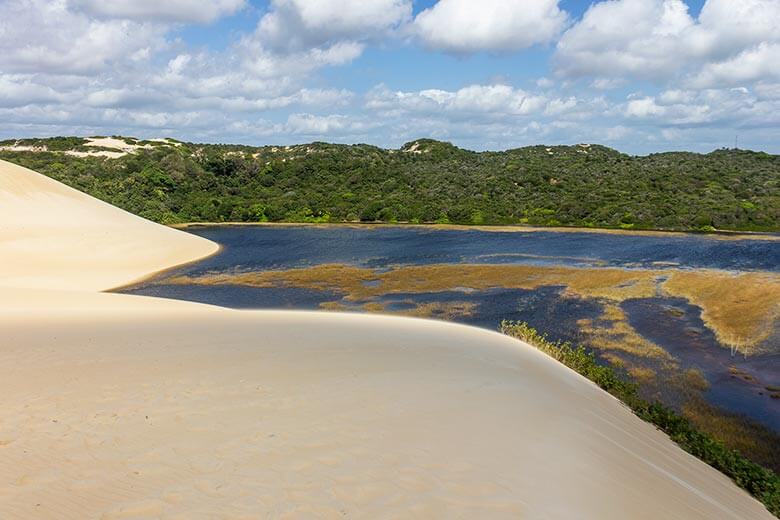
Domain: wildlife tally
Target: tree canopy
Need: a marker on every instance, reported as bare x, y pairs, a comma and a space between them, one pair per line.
424, 181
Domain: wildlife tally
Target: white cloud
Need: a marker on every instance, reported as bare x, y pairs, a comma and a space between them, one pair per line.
19, 90
467, 26
727, 108
638, 37
296, 37
729, 26
41, 35
644, 107
545, 83
500, 100
265, 63
560, 106
300, 25
316, 125
758, 63
730, 42
197, 11
768, 91
607, 83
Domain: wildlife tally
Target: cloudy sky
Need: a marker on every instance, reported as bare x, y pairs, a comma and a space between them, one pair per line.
638, 75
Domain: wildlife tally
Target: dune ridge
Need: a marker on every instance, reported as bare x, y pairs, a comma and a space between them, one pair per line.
55, 237
117, 406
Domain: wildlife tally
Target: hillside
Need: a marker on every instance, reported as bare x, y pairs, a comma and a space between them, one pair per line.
425, 181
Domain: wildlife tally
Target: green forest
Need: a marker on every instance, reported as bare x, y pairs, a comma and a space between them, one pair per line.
424, 181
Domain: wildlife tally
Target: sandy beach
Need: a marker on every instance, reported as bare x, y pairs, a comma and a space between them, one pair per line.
116, 406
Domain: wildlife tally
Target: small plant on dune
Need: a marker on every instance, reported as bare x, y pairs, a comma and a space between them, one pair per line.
762, 483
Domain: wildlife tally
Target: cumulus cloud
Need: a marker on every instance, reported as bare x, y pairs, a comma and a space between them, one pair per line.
81, 71
21, 90
42, 35
466, 26
309, 124
296, 37
614, 38
725, 107
758, 63
301, 25
472, 100
727, 26
197, 11
664, 41
266, 63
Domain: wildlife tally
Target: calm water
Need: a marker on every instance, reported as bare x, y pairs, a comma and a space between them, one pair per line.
266, 247
680, 330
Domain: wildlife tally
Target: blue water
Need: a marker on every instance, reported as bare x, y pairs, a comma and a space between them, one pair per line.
683, 334
269, 247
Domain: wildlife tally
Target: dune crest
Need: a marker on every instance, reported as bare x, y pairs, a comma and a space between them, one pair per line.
55, 237
116, 406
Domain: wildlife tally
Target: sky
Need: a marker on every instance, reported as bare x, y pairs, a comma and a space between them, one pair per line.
641, 76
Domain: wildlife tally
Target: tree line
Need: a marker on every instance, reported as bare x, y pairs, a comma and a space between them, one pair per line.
427, 181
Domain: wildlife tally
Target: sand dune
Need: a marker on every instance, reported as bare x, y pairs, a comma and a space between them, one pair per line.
52, 236
114, 406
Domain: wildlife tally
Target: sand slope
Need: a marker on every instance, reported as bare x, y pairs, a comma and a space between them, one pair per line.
114, 406
52, 236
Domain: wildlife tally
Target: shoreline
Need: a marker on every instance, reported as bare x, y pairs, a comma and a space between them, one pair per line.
502, 228
162, 271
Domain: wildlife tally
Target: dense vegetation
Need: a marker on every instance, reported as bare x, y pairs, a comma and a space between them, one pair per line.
761, 482
426, 181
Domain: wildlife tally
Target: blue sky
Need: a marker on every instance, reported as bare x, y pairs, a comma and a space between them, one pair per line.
637, 75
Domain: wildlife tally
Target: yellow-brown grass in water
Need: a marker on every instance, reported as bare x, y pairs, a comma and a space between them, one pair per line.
740, 308
642, 374
612, 284
738, 433
618, 334
441, 310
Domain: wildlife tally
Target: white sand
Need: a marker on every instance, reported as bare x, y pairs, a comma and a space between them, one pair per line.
54, 237
113, 142
104, 142
113, 406
97, 153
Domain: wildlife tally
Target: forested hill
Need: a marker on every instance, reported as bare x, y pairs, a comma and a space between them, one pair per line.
425, 181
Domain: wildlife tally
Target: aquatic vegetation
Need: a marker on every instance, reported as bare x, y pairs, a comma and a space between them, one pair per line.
450, 311
613, 332
735, 431
761, 482
356, 282
642, 374
742, 309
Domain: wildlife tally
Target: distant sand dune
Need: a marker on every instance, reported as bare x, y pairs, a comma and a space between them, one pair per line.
115, 406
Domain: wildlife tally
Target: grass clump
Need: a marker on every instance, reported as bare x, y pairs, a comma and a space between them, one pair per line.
762, 483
